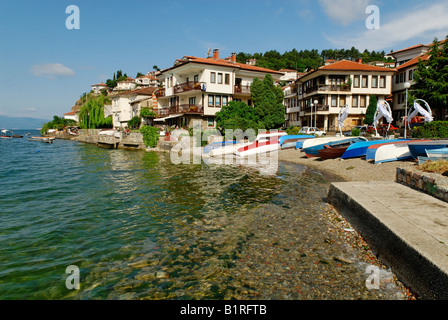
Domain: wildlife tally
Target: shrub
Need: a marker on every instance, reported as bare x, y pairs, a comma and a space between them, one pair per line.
135, 122
150, 136
430, 130
356, 132
293, 130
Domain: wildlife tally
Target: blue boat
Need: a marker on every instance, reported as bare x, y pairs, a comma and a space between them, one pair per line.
438, 153
360, 149
283, 139
418, 149
314, 150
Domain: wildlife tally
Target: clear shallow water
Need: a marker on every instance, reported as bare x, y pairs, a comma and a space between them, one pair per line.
136, 225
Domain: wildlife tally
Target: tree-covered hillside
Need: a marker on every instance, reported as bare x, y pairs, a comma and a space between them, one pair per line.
308, 59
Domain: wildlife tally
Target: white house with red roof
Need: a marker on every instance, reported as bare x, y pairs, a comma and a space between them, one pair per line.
96, 88
127, 104
197, 88
127, 84
324, 91
147, 81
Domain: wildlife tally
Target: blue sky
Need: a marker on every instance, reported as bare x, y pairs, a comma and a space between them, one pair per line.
46, 67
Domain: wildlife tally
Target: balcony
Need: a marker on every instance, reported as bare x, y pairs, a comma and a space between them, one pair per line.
329, 87
320, 107
189, 86
245, 90
187, 109
160, 92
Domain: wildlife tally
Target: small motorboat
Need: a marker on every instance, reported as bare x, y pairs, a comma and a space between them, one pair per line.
6, 134
360, 149
41, 139
329, 152
418, 149
314, 150
441, 153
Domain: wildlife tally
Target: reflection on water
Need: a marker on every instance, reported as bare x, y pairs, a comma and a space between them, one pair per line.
136, 225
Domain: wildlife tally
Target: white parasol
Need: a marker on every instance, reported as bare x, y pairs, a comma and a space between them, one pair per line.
418, 109
383, 110
343, 114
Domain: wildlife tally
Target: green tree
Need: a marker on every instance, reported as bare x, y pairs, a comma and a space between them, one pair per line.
431, 79
91, 114
237, 115
268, 102
371, 109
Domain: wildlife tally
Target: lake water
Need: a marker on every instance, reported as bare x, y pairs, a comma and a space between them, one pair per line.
140, 227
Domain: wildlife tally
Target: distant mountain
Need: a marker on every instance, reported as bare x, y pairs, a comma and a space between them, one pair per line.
21, 123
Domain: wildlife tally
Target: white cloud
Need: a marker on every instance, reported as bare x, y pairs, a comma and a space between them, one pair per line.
417, 24
345, 11
51, 70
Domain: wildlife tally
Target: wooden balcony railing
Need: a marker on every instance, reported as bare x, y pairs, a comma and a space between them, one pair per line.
242, 89
160, 92
189, 86
179, 109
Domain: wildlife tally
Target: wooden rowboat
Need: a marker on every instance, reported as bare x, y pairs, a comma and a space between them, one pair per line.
329, 152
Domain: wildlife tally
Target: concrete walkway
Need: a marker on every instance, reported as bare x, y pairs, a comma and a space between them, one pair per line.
407, 229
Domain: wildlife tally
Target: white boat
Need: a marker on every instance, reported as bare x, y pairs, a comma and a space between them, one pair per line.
258, 147
41, 139
6, 134
441, 153
392, 152
265, 142
227, 149
317, 141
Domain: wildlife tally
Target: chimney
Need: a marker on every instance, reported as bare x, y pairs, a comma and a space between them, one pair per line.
233, 57
216, 54
359, 60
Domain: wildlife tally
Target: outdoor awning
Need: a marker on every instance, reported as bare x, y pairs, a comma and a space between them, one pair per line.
169, 117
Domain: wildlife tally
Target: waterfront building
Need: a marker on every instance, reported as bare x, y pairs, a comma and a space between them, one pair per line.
197, 88
72, 115
406, 63
127, 104
336, 84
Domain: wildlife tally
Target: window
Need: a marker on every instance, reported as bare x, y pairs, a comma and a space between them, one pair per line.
411, 75
196, 78
355, 102
217, 101
210, 122
227, 78
374, 81
212, 77
356, 81
220, 78
334, 101
383, 82
211, 101
342, 101
362, 100
192, 101
402, 77
224, 100
365, 81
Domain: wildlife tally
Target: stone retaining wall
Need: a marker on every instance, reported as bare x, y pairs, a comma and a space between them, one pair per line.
427, 183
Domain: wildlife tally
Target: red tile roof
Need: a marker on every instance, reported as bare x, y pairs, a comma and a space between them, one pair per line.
353, 66
413, 47
414, 61
221, 62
